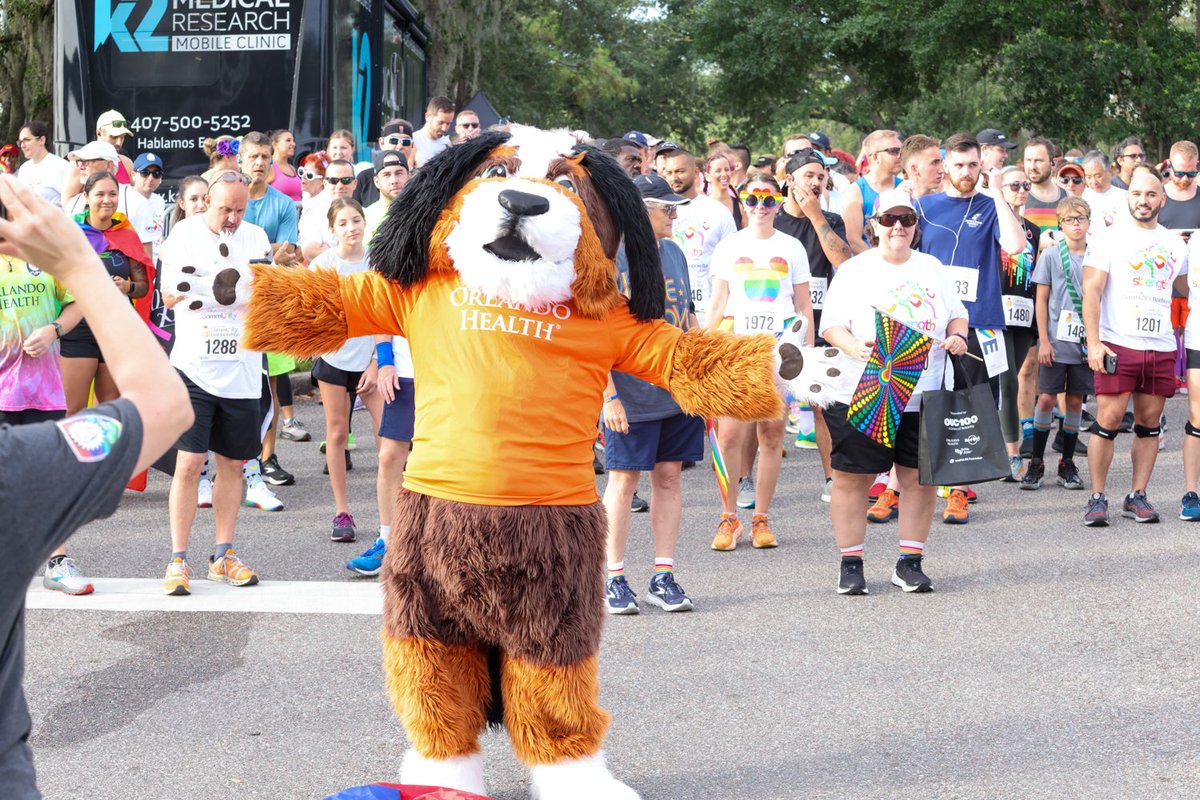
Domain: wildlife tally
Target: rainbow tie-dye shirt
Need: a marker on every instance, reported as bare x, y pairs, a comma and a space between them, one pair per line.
29, 299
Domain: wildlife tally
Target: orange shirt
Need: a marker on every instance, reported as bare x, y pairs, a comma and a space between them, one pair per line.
507, 399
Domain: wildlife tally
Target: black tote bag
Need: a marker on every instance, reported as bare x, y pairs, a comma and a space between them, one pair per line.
961, 442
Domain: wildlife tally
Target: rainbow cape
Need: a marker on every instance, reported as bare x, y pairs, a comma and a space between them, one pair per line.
121, 237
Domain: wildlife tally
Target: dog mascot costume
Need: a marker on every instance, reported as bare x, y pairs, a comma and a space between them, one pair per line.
496, 262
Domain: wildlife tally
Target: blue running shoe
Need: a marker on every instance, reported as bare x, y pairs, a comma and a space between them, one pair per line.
1189, 507
667, 594
619, 598
369, 562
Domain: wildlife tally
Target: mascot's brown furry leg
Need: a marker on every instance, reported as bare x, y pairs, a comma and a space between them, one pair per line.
460, 579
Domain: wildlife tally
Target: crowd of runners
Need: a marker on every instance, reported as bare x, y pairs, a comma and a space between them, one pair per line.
1065, 273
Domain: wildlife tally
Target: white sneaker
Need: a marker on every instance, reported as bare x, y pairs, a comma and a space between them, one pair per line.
827, 491
259, 495
66, 578
204, 494
577, 779
464, 773
745, 497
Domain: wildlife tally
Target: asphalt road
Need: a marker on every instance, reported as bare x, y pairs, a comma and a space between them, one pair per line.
1052, 661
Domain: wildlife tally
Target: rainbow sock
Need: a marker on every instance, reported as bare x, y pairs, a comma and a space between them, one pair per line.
616, 569
854, 551
911, 549
663, 565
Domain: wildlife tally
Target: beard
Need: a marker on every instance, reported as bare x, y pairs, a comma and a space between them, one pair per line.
1143, 213
965, 184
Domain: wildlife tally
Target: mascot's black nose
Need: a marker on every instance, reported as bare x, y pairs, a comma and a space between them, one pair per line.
523, 204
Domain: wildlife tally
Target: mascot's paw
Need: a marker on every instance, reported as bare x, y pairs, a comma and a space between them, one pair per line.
461, 772
814, 375
578, 779
223, 283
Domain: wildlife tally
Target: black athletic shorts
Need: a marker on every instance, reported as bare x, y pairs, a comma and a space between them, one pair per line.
229, 427
859, 454
325, 373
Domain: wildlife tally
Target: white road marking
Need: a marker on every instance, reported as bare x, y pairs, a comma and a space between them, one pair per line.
268, 597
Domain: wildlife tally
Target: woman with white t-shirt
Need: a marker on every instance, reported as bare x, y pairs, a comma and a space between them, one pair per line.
915, 289
760, 281
351, 369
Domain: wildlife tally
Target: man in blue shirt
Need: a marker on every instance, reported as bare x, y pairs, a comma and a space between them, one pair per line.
965, 230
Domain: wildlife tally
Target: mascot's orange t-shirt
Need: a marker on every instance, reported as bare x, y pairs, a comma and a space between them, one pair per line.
507, 399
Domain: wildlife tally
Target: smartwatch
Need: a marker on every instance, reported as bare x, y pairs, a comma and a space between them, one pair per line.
58, 331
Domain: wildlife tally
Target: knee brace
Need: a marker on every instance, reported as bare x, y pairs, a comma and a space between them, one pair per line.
1142, 432
1190, 429
1104, 433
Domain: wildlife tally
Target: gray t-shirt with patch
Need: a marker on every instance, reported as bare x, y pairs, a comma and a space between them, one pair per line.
54, 477
1048, 272
645, 402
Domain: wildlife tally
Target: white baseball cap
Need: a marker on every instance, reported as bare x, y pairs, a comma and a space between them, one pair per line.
893, 198
94, 150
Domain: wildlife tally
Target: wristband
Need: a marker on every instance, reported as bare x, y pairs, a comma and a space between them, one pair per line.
613, 397
58, 331
962, 336
383, 352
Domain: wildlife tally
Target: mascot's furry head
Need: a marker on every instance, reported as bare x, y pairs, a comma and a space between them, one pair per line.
529, 218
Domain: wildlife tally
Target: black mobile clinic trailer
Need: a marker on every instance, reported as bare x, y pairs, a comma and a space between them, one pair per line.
181, 71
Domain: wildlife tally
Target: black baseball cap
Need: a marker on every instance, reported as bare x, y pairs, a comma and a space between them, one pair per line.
389, 158
655, 188
397, 129
808, 155
764, 162
666, 147
993, 136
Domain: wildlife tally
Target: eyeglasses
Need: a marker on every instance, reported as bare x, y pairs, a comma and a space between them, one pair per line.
150, 173
468, 124
1065, 179
309, 175
1134, 156
399, 141
335, 181
906, 220
894, 151
1073, 220
768, 198
1018, 186
1185, 173
229, 176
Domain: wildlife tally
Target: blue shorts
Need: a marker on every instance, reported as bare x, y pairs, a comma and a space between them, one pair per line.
397, 422
677, 438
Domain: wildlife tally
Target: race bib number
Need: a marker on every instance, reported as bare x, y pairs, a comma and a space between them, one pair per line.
816, 290
758, 322
1070, 327
966, 283
1149, 320
699, 296
220, 343
1018, 311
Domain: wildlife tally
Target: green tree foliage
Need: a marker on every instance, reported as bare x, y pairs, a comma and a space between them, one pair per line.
26, 68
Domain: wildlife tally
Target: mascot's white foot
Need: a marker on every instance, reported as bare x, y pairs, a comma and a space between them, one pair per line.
578, 779
814, 375
462, 772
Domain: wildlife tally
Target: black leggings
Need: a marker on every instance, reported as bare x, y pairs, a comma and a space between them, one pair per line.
1017, 342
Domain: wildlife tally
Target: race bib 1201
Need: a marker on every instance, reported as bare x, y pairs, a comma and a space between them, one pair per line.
966, 283
1149, 319
1018, 311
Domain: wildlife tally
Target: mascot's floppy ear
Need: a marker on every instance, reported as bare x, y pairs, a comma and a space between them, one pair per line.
400, 248
648, 295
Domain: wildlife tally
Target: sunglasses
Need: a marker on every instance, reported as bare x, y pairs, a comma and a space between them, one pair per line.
150, 173
1065, 179
1134, 156
229, 176
767, 197
1185, 173
399, 141
468, 124
309, 175
1073, 220
336, 181
906, 220
117, 123
1018, 186
894, 151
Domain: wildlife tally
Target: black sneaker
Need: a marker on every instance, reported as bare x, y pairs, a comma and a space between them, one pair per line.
909, 577
852, 580
619, 598
349, 464
667, 594
274, 474
1138, 508
1126, 422
1080, 445
1096, 515
1026, 449
1068, 475
638, 505
1032, 479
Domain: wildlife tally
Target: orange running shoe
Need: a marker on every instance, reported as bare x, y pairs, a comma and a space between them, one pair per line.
956, 508
886, 508
230, 569
177, 581
760, 533
728, 533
